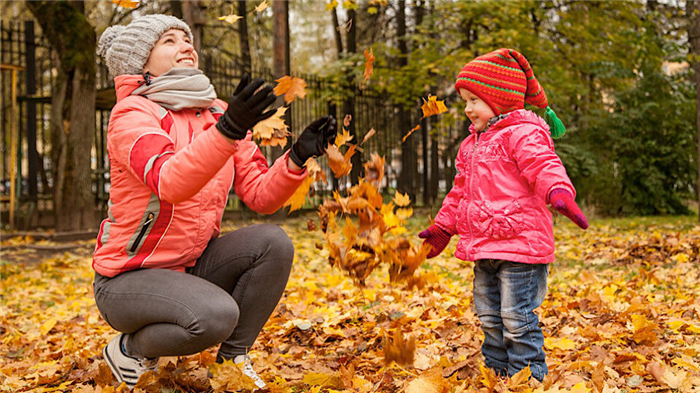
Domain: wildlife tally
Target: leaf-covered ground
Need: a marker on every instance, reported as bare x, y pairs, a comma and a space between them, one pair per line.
622, 315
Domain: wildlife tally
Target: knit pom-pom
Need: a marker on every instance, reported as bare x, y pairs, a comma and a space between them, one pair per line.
556, 127
107, 38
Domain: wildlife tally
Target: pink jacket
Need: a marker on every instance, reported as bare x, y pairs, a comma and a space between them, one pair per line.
498, 205
171, 173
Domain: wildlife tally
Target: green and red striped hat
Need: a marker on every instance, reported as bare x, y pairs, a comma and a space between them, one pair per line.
504, 80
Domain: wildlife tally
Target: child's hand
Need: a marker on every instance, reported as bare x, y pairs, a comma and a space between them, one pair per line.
437, 238
564, 203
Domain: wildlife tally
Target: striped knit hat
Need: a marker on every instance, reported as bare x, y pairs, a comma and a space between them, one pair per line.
505, 81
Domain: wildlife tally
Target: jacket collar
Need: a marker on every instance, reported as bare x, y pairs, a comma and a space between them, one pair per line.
519, 116
126, 84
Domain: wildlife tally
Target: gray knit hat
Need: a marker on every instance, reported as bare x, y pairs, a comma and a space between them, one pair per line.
126, 48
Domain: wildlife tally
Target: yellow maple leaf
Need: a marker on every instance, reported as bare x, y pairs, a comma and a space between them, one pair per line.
227, 376
369, 64
324, 380
430, 381
262, 6
560, 343
401, 199
331, 5
433, 106
296, 201
339, 163
291, 87
342, 138
126, 3
272, 131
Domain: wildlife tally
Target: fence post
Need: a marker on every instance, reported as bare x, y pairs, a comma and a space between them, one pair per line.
30, 90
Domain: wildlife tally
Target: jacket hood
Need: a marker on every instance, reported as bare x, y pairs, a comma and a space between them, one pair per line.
124, 85
519, 116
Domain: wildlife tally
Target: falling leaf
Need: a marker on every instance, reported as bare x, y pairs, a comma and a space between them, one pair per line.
399, 349
347, 120
331, 5
126, 3
369, 64
231, 18
402, 199
296, 201
311, 225
350, 4
262, 6
369, 134
272, 131
340, 163
433, 106
374, 169
291, 87
416, 128
342, 138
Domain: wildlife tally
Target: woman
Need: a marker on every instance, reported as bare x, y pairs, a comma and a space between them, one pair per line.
163, 277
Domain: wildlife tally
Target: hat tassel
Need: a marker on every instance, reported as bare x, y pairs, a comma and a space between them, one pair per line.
556, 127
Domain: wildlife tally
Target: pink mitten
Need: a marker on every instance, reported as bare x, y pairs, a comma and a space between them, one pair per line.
437, 238
564, 203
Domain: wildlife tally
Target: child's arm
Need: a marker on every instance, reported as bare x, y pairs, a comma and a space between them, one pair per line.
533, 150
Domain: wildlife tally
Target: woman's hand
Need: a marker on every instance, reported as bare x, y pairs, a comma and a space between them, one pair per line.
246, 108
314, 140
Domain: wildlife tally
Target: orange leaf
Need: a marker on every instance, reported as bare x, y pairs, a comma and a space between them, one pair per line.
296, 201
340, 163
400, 350
347, 120
126, 3
369, 64
291, 87
433, 106
272, 131
369, 134
402, 199
342, 138
232, 18
416, 128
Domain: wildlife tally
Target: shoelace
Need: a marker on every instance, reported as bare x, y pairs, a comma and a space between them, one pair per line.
250, 373
147, 364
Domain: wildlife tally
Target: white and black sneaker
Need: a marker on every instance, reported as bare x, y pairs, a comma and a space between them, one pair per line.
126, 368
243, 361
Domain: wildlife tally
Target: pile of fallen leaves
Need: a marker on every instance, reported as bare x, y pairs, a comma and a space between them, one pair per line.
622, 315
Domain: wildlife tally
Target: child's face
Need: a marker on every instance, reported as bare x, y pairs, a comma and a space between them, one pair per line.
172, 50
476, 109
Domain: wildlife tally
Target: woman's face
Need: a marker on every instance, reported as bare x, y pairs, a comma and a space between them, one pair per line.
172, 50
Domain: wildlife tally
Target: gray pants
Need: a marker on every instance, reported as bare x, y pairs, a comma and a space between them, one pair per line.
225, 298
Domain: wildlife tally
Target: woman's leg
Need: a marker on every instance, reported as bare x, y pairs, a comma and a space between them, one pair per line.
164, 312
487, 300
253, 265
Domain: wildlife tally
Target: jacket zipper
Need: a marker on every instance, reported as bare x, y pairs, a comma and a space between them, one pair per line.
471, 196
144, 228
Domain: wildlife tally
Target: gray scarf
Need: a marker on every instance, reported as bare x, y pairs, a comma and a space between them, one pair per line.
179, 88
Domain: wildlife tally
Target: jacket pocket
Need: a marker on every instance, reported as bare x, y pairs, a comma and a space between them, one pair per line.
499, 223
139, 237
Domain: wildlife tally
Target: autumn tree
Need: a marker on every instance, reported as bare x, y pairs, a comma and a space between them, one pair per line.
73, 38
693, 15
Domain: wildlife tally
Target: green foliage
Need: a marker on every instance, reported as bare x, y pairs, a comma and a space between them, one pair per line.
651, 166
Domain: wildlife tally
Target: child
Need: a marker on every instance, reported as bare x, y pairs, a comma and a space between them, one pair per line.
508, 173
164, 277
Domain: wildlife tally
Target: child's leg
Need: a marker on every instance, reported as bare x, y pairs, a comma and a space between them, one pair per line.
487, 300
523, 288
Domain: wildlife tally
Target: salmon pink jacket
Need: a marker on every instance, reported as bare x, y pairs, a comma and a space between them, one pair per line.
498, 205
171, 172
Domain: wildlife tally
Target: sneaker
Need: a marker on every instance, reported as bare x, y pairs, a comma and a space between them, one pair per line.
126, 368
243, 361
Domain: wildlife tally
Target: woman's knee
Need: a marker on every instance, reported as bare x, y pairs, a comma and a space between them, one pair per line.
217, 320
279, 243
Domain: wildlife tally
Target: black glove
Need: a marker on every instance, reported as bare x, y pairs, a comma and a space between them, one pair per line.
314, 140
245, 109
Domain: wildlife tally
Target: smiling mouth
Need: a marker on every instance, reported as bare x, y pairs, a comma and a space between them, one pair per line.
186, 61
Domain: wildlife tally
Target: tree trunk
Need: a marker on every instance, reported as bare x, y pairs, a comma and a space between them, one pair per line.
693, 13
280, 54
408, 163
192, 15
349, 104
73, 109
246, 62
336, 32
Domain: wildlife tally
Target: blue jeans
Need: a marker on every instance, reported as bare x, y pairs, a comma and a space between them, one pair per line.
505, 296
